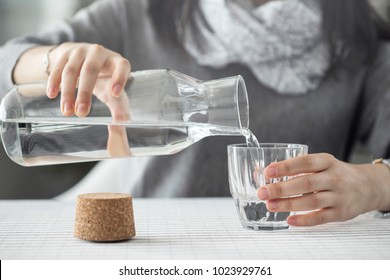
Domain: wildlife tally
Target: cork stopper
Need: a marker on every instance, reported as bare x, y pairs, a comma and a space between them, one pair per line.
104, 217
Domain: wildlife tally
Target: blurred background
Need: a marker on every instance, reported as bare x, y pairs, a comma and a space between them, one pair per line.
18, 17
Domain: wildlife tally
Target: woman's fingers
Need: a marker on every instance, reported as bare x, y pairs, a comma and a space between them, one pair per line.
117, 144
322, 216
69, 79
79, 64
121, 71
299, 185
333, 190
54, 80
311, 163
93, 64
316, 200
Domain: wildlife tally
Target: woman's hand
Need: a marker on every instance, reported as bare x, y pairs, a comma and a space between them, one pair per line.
336, 190
82, 64
117, 142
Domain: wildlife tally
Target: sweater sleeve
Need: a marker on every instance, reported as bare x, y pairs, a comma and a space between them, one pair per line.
104, 22
374, 127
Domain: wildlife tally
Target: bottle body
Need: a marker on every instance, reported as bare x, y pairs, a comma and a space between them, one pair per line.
160, 112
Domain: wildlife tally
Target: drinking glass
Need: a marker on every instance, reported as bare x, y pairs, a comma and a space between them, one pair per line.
246, 166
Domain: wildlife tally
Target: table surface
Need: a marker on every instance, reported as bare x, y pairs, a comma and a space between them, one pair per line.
194, 228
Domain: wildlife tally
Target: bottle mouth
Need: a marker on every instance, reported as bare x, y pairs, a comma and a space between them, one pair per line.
242, 103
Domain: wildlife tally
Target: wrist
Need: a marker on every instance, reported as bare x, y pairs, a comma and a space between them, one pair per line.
46, 62
384, 183
29, 68
385, 162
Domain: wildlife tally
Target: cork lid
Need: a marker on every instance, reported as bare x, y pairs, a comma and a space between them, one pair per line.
104, 217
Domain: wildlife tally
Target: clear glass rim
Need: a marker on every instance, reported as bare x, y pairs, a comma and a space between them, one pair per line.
268, 146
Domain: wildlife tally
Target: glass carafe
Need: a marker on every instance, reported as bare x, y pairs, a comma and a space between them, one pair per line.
160, 112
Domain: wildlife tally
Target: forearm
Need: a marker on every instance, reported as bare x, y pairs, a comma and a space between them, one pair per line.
30, 67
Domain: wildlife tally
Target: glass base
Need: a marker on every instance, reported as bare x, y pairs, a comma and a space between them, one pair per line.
254, 215
265, 226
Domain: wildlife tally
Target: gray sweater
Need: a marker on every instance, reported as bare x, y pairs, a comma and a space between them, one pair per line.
347, 108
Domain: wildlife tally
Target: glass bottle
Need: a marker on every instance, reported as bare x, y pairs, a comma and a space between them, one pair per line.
160, 112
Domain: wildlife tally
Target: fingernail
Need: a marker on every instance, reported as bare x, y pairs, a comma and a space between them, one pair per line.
116, 90
271, 171
263, 193
51, 92
68, 108
272, 205
292, 221
82, 109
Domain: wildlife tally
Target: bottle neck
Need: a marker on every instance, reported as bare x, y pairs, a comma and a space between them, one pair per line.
228, 103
